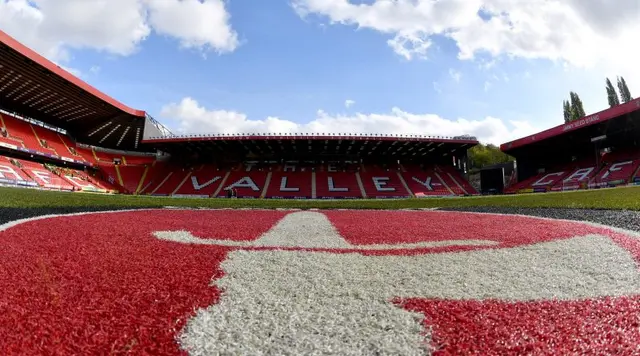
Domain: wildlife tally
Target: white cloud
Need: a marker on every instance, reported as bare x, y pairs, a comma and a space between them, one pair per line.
487, 86
410, 45
582, 33
455, 75
75, 72
198, 24
188, 116
436, 87
349, 103
95, 69
53, 27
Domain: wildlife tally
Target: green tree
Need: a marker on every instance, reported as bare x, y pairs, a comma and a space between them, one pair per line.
611, 93
625, 94
487, 155
567, 111
577, 110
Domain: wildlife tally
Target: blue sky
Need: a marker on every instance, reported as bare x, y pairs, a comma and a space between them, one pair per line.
292, 65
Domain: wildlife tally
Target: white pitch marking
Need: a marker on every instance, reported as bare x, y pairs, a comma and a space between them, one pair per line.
308, 229
301, 303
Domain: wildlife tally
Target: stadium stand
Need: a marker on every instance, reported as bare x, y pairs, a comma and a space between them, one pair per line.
599, 150
44, 177
204, 181
25, 132
65, 134
168, 185
52, 140
290, 181
458, 180
425, 182
382, 183
21, 172
335, 181
250, 184
106, 157
12, 174
130, 176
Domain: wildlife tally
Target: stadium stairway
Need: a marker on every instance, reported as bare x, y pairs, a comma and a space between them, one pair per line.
460, 181
540, 182
204, 182
164, 181
381, 183
425, 183
11, 172
44, 177
334, 185
52, 140
577, 178
290, 185
80, 179
616, 173
132, 160
72, 149
250, 184
142, 179
7, 139
449, 181
10, 142
106, 157
23, 131
112, 175
130, 176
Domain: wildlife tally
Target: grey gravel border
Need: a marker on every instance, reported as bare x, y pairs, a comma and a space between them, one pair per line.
12, 214
623, 219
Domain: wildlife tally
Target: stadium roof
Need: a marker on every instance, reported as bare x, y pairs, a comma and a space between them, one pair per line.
613, 121
313, 147
32, 86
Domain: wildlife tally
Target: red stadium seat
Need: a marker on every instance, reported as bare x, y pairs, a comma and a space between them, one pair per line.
248, 184
333, 185
616, 173
11, 142
24, 131
578, 178
204, 181
425, 183
168, 184
81, 181
12, 174
380, 183
541, 182
131, 160
290, 184
460, 180
107, 157
131, 177
53, 140
44, 177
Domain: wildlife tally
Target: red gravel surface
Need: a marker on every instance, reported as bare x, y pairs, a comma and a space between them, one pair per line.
102, 284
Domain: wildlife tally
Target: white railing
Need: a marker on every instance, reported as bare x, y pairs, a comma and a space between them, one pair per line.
315, 136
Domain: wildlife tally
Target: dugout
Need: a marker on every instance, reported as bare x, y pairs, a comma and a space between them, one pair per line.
493, 179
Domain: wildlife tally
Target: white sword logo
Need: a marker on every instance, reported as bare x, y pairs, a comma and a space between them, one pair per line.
301, 302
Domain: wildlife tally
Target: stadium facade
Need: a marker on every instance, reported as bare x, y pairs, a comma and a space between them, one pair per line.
58, 132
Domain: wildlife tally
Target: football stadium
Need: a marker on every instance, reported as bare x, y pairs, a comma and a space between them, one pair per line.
118, 236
